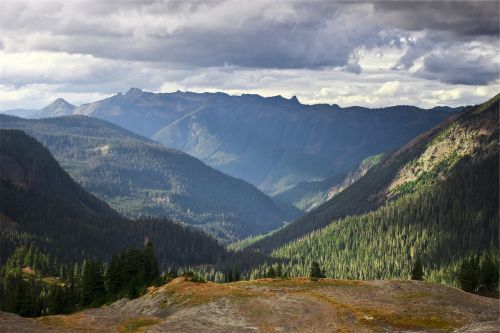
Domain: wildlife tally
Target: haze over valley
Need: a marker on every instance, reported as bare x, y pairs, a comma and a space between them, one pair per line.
232, 166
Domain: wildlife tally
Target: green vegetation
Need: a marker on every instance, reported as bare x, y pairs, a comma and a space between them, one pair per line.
478, 274
311, 194
489, 276
25, 289
469, 274
43, 206
140, 178
442, 224
476, 138
417, 272
315, 271
134, 324
364, 234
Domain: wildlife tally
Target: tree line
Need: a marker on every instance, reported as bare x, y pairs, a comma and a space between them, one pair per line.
442, 224
34, 284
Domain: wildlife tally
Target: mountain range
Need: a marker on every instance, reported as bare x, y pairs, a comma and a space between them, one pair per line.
42, 206
141, 178
308, 195
433, 201
435, 198
415, 188
273, 143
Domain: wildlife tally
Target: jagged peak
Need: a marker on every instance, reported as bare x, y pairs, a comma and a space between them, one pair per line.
134, 91
61, 101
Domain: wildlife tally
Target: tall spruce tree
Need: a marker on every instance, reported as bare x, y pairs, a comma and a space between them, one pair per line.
488, 274
150, 264
469, 274
315, 271
417, 272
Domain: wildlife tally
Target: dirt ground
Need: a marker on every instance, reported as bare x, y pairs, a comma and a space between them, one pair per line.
288, 305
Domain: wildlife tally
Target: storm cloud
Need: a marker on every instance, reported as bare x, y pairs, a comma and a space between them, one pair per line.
75, 47
457, 69
462, 19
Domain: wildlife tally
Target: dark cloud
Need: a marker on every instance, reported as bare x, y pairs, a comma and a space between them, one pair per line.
453, 68
421, 47
147, 37
245, 34
353, 67
459, 18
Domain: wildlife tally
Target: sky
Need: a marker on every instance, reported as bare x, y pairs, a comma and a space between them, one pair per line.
374, 54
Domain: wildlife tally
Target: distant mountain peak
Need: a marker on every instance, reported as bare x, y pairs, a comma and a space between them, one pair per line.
294, 99
61, 102
134, 91
59, 107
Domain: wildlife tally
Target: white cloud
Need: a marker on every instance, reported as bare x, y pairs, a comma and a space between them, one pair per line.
389, 89
319, 52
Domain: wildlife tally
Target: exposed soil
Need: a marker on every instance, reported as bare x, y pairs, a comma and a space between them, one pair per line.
290, 305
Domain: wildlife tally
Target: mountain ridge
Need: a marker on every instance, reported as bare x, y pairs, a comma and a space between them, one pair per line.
268, 304
271, 142
50, 211
138, 177
59, 107
436, 197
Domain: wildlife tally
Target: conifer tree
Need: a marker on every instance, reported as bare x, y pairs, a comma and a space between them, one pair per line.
488, 274
279, 271
92, 283
113, 277
150, 264
468, 275
271, 273
315, 271
417, 272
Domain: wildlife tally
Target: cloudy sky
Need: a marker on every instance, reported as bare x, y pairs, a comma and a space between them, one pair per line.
350, 53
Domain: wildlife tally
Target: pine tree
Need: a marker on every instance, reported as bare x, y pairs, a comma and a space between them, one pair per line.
150, 264
92, 283
315, 271
468, 275
113, 278
488, 274
279, 271
417, 272
56, 300
271, 273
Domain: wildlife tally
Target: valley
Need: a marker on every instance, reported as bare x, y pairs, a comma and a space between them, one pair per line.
460, 153
140, 178
412, 209
250, 166
273, 143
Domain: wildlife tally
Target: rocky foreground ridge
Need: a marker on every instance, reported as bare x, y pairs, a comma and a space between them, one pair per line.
289, 305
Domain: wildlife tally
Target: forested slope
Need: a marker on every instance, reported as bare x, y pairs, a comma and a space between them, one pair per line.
441, 206
139, 177
41, 205
425, 162
311, 194
273, 143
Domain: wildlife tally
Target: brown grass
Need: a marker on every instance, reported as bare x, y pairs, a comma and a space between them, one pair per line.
187, 293
137, 324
